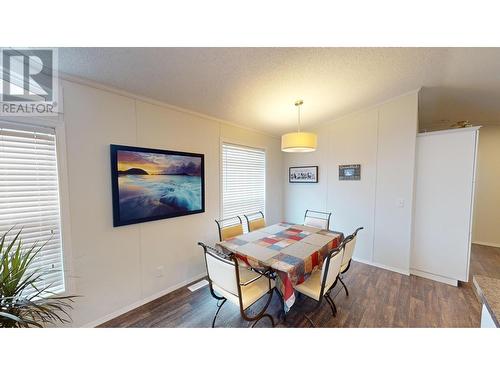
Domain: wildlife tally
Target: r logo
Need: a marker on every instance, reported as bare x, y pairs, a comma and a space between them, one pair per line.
28, 75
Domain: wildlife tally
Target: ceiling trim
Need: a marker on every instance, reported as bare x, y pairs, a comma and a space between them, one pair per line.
100, 86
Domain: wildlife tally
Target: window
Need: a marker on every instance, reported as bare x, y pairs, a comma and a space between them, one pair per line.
243, 180
29, 196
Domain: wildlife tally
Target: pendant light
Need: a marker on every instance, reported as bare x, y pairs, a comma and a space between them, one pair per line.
298, 141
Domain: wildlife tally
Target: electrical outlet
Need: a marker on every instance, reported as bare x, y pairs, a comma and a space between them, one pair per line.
160, 271
401, 203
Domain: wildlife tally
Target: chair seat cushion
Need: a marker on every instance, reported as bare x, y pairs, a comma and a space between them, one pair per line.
312, 286
249, 293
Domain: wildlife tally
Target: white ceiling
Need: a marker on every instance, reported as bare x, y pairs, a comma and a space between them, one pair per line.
256, 87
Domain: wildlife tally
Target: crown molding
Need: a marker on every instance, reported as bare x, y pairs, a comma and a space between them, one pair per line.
104, 87
145, 99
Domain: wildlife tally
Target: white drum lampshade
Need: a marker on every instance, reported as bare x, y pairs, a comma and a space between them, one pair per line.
299, 142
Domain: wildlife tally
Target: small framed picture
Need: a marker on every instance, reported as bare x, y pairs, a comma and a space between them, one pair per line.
303, 174
350, 172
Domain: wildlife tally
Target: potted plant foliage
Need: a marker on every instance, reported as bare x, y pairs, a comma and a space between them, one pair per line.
25, 300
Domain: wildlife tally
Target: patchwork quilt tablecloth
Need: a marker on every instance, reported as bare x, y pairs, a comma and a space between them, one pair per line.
293, 251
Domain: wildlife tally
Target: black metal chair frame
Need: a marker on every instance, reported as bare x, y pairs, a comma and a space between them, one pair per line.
327, 214
347, 240
220, 222
253, 214
322, 293
233, 261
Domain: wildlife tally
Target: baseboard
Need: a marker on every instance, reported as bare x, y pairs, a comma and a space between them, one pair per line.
431, 276
491, 244
137, 304
383, 266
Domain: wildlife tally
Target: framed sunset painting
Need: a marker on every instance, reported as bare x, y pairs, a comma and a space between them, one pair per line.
150, 184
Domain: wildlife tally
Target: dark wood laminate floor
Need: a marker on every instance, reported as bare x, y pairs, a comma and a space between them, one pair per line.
377, 298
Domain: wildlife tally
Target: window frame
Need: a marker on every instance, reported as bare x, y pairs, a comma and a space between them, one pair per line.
238, 143
56, 123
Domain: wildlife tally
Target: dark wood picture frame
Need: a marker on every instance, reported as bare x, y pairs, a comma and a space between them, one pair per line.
117, 221
350, 172
315, 167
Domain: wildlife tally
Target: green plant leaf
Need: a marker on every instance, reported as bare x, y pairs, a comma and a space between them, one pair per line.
19, 306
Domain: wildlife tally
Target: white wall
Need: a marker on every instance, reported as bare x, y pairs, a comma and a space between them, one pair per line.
382, 140
487, 204
114, 269
397, 131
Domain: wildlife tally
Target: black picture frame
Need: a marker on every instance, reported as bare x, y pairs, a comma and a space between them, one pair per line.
117, 220
316, 174
350, 172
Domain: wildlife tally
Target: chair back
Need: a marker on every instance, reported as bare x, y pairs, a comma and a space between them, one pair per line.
349, 246
229, 228
221, 270
317, 219
255, 221
331, 268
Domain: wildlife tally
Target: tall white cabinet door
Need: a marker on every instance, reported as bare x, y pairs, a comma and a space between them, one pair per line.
445, 172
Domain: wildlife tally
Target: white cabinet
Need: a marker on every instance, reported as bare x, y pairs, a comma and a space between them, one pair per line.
444, 196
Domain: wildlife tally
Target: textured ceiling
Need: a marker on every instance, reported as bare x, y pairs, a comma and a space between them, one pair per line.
256, 87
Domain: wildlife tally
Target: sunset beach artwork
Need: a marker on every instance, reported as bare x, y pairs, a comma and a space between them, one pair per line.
153, 184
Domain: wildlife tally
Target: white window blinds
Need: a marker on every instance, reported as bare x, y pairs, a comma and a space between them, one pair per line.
243, 180
29, 196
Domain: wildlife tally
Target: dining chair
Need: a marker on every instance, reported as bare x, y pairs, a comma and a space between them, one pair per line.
229, 228
350, 244
241, 286
317, 219
255, 221
321, 282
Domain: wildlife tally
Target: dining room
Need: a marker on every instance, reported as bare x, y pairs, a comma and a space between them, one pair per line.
240, 187
325, 238
222, 187
319, 216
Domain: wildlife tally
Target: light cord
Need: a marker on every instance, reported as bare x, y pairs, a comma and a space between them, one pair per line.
298, 117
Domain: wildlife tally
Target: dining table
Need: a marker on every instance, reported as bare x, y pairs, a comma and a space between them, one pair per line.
292, 251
